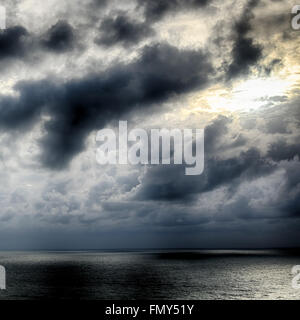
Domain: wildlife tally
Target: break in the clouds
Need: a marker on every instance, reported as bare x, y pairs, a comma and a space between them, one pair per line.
229, 67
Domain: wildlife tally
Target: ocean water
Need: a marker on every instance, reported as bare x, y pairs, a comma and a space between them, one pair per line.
196, 274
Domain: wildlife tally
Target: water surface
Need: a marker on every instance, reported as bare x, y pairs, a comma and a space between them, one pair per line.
196, 274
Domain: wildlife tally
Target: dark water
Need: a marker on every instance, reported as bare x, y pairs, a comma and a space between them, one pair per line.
150, 275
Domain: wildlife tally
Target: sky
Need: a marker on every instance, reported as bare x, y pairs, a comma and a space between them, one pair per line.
71, 68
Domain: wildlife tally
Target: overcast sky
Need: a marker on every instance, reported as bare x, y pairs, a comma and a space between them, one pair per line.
70, 68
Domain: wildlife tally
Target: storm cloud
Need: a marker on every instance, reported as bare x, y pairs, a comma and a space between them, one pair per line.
59, 37
79, 106
245, 52
70, 68
155, 10
13, 42
122, 30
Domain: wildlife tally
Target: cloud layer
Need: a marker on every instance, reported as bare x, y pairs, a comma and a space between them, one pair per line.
172, 64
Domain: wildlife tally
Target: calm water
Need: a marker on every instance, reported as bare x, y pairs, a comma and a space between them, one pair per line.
150, 275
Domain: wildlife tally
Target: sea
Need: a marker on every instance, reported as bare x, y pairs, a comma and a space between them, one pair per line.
150, 274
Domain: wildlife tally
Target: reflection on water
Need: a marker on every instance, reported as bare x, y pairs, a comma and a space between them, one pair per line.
196, 274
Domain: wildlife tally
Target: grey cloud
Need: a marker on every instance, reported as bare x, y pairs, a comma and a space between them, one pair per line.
169, 183
289, 201
155, 10
245, 52
215, 131
60, 37
19, 43
79, 106
9, 215
245, 196
99, 3
281, 150
13, 42
122, 30
277, 125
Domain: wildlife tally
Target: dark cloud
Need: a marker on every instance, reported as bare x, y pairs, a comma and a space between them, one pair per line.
154, 10
100, 3
169, 183
79, 106
19, 112
18, 43
245, 52
122, 30
214, 132
13, 42
277, 125
287, 201
281, 150
271, 66
60, 37
243, 192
